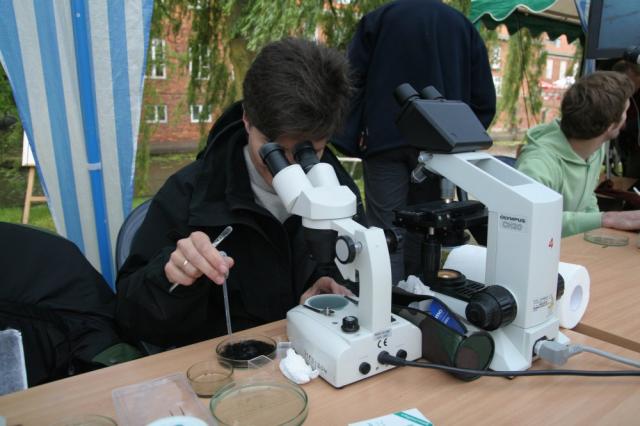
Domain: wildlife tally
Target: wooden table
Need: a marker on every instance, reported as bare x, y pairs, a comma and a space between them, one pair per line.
440, 397
614, 307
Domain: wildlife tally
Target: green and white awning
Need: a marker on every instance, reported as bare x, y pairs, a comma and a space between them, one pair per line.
555, 17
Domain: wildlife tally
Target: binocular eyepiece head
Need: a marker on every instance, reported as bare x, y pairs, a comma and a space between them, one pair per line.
405, 93
273, 156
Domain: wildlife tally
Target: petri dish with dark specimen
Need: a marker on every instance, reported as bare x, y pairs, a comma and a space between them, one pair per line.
239, 350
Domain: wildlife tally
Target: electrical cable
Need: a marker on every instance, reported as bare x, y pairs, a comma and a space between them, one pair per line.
386, 358
558, 354
576, 349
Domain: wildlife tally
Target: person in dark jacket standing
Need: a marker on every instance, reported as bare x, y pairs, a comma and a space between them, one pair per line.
294, 91
423, 43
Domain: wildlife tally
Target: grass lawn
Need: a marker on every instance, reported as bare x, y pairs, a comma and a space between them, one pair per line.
39, 215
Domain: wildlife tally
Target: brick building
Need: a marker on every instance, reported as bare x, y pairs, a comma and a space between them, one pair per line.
559, 73
175, 125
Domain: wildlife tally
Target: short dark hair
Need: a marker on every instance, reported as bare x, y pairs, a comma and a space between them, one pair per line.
297, 88
626, 67
594, 103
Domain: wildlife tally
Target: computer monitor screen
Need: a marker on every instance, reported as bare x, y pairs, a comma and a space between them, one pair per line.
614, 26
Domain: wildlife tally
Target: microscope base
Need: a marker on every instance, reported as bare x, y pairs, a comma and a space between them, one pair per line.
343, 358
514, 345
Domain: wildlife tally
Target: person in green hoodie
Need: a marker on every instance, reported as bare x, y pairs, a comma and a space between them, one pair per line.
566, 154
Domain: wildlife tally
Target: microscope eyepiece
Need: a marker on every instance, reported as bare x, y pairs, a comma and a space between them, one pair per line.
430, 93
273, 156
305, 155
405, 93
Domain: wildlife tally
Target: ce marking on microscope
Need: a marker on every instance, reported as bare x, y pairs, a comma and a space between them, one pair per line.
381, 338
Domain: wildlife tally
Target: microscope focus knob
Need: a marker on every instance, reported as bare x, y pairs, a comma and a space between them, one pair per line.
346, 249
491, 308
350, 324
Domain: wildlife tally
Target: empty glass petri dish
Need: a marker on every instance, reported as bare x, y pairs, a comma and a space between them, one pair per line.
603, 238
239, 350
260, 402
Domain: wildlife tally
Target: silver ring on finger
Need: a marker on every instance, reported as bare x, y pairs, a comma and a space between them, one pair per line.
185, 263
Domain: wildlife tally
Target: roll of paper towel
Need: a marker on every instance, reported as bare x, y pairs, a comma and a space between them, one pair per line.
573, 304
471, 261
468, 259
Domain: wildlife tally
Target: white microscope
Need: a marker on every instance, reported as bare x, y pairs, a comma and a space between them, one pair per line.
338, 336
516, 303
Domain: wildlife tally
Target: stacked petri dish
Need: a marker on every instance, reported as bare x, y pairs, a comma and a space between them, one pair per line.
260, 402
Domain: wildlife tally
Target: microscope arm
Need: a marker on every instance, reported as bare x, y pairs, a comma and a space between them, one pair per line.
371, 267
525, 220
324, 204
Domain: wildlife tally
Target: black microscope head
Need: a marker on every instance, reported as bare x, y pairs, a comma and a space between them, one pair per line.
436, 125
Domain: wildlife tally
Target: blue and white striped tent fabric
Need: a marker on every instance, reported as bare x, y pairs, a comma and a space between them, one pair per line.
76, 68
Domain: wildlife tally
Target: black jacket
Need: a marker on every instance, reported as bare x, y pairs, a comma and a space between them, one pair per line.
62, 306
272, 265
629, 137
421, 42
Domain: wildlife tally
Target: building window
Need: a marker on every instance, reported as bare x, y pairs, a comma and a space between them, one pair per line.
200, 114
496, 57
155, 113
157, 67
203, 66
563, 69
549, 70
497, 82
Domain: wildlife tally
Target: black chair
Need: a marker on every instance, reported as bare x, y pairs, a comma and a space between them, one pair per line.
128, 231
123, 247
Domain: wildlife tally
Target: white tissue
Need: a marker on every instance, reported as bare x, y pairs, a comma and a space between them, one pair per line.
295, 368
414, 285
471, 261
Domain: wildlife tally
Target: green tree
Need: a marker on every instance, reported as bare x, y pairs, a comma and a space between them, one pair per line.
7, 104
10, 129
523, 69
226, 34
